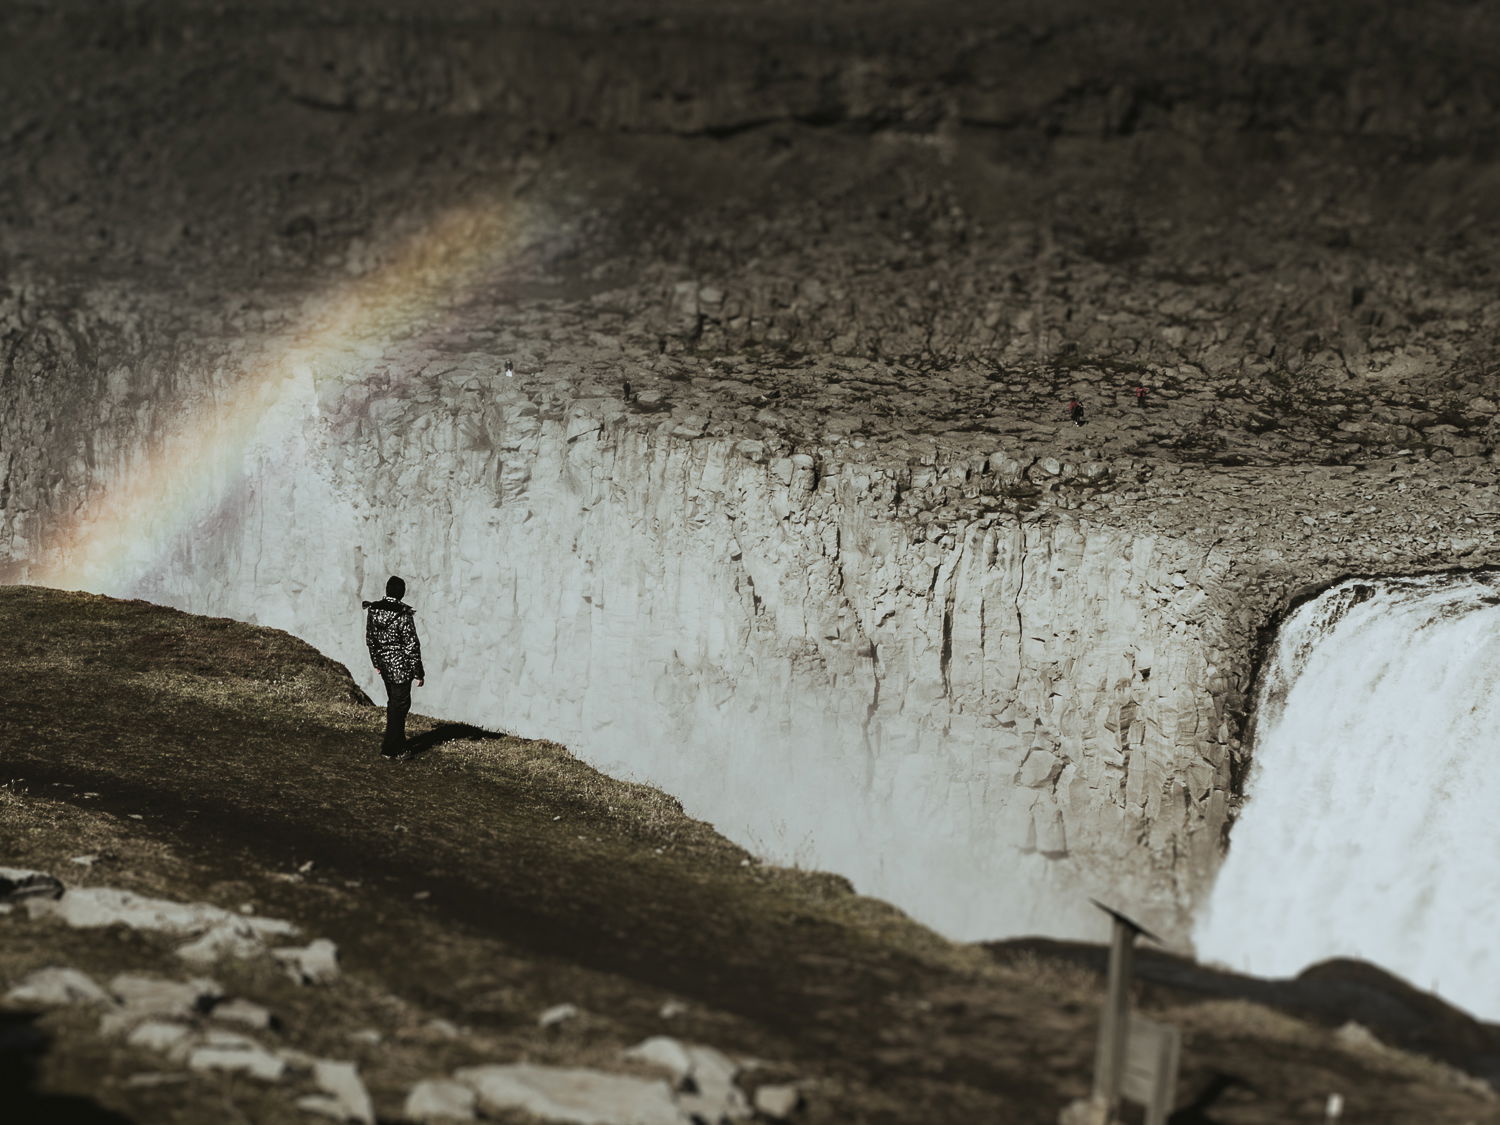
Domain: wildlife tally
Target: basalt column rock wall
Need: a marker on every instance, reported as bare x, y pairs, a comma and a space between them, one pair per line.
985, 725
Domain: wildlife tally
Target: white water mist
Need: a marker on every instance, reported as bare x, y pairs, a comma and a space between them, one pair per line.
1372, 825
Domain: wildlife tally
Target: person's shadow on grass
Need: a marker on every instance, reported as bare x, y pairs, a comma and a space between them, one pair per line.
419, 744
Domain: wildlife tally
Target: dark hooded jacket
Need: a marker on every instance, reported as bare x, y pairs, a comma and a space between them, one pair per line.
391, 635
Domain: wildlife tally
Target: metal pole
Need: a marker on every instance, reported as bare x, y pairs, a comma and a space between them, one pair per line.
1110, 1071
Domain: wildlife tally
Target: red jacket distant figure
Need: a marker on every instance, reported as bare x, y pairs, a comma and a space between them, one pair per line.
1075, 411
1140, 395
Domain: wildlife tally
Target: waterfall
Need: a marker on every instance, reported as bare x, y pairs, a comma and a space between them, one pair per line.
1372, 824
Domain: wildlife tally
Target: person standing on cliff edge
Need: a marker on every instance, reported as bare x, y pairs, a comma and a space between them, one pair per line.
391, 636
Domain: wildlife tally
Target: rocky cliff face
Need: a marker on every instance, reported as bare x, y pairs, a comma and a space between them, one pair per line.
781, 511
984, 720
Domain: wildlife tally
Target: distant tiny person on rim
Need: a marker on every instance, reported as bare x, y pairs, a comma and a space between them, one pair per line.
391, 636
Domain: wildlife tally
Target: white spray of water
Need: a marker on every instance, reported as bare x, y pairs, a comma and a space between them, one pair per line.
1372, 825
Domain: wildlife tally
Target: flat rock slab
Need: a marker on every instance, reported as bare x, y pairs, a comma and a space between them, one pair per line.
433, 1101
89, 907
144, 998
238, 1055
573, 1095
161, 996
159, 1035
244, 1013
56, 987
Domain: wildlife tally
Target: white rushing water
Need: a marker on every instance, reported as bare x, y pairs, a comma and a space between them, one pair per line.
1372, 824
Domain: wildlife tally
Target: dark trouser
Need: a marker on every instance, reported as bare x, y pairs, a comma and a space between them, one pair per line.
398, 703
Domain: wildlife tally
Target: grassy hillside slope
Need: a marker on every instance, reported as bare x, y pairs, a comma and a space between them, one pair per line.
492, 878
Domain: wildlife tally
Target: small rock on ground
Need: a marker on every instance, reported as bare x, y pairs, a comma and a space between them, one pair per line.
342, 1087
244, 1013
712, 1095
1354, 1036
778, 1102
665, 1052
558, 1013
158, 1035
237, 1054
436, 1100
573, 1095
315, 963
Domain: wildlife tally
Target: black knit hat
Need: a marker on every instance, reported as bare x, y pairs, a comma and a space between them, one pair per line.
394, 587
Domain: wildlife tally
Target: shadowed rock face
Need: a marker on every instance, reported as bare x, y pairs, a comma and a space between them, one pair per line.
782, 509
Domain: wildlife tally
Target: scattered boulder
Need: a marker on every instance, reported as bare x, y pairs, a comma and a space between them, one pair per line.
435, 1100
702, 1076
344, 1097
142, 998
664, 1052
18, 884
315, 963
223, 1050
573, 1095
710, 1093
56, 987
777, 1102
